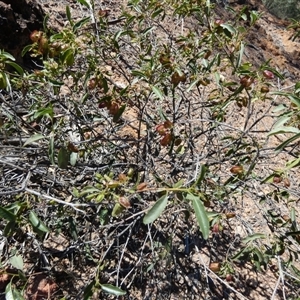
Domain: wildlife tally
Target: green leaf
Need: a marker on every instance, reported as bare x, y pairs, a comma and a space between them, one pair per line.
68, 13
7, 56
16, 67
89, 290
83, 2
73, 228
240, 56
157, 12
17, 262
68, 57
288, 141
119, 113
195, 82
34, 138
292, 164
37, 224
157, 92
201, 215
73, 158
253, 237
9, 229
63, 158
156, 210
51, 150
12, 293
201, 175
88, 190
5, 214
283, 129
117, 210
80, 23
113, 290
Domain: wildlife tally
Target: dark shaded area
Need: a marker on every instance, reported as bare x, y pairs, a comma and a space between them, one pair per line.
18, 18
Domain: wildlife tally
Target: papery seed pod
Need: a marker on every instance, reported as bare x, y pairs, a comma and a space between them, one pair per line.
124, 202
92, 83
237, 170
277, 179
219, 22
215, 267
230, 215
103, 104
122, 177
160, 129
264, 89
286, 218
72, 148
246, 81
113, 108
177, 142
268, 74
141, 186
35, 36
216, 228
166, 140
229, 277
168, 124
286, 182
43, 45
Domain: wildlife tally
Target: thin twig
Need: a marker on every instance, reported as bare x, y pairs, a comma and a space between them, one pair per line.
50, 198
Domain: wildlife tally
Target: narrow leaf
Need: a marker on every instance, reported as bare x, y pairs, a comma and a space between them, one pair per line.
34, 138
119, 113
7, 215
17, 262
156, 210
113, 290
253, 237
36, 223
85, 3
157, 92
12, 293
283, 129
201, 216
117, 210
63, 158
288, 141
68, 13
16, 67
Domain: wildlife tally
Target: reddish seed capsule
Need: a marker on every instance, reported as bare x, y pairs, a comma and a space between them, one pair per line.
92, 83
286, 182
166, 140
237, 170
124, 202
229, 277
35, 36
277, 179
160, 129
215, 267
141, 186
219, 22
264, 89
114, 108
246, 81
103, 104
268, 74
